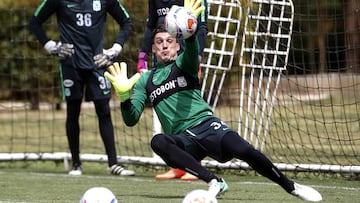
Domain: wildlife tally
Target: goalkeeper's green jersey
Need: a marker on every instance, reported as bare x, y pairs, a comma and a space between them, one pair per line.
174, 91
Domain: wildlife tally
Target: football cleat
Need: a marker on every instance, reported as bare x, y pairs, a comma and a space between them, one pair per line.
306, 193
121, 171
76, 170
217, 187
170, 174
189, 176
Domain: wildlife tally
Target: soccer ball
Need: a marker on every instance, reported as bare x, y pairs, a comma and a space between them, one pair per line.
199, 196
98, 195
180, 22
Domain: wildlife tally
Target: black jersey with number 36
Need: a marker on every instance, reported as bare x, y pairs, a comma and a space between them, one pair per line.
81, 23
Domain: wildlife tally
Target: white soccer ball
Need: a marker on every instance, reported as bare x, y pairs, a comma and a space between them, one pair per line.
199, 196
98, 195
180, 22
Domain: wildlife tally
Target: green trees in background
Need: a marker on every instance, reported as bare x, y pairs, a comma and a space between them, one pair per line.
27, 72
325, 39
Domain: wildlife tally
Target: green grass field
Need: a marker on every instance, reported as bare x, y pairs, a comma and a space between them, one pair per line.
49, 182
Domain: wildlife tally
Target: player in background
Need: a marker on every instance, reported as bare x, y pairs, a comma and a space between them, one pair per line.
157, 12
82, 64
191, 130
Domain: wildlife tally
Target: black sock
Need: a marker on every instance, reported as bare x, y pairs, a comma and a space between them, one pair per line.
235, 146
73, 129
106, 129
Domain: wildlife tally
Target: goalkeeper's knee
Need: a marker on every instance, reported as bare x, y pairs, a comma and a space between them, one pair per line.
160, 142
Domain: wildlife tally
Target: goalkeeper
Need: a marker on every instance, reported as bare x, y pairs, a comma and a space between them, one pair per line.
157, 12
191, 130
82, 60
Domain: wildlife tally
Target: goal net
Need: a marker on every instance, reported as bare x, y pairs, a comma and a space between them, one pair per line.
283, 73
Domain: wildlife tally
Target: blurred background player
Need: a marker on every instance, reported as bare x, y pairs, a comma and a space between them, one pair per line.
82, 61
157, 12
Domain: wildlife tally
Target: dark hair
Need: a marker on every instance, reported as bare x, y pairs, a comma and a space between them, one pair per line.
161, 28
158, 29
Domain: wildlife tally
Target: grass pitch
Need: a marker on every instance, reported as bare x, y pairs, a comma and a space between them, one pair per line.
49, 182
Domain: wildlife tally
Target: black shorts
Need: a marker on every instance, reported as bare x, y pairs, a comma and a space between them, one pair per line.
76, 81
205, 139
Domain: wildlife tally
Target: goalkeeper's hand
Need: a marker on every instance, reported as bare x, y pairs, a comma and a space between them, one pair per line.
63, 50
117, 75
194, 6
105, 58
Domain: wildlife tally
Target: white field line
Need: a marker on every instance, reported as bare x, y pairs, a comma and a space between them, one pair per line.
135, 179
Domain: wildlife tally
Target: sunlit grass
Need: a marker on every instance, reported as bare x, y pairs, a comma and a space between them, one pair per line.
302, 133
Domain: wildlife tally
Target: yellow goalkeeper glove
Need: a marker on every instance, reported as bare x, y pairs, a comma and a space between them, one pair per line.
117, 75
194, 6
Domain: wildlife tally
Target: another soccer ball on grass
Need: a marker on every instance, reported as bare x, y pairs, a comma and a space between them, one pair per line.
98, 195
180, 22
199, 196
